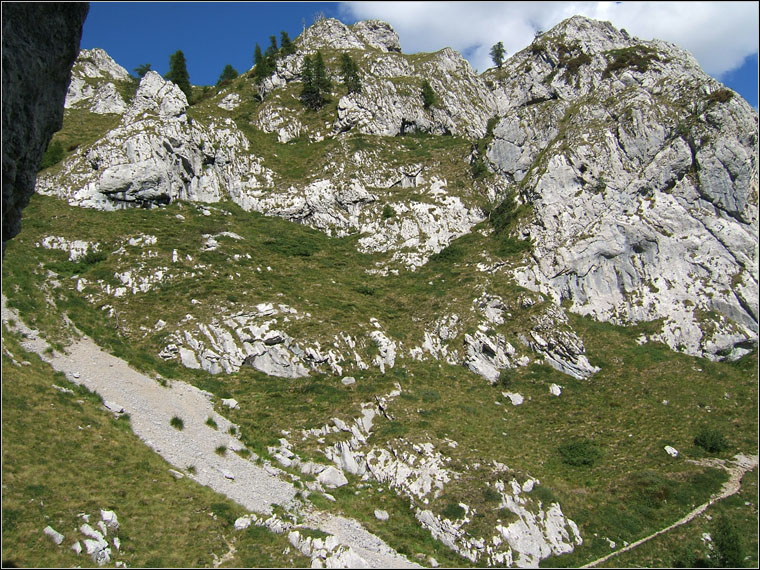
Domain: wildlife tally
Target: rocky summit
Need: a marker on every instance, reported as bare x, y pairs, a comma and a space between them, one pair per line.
484, 315
640, 170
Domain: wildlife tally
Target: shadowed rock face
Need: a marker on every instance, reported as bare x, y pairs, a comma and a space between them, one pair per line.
40, 44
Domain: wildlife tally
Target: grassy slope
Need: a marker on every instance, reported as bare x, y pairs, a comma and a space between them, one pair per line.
633, 489
64, 454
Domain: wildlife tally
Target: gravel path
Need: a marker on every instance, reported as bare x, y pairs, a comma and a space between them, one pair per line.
742, 464
151, 407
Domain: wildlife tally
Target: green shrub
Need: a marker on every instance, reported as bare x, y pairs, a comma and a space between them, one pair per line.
388, 211
453, 511
52, 155
722, 95
452, 253
211, 423
479, 168
92, 257
365, 290
177, 423
428, 95
580, 452
634, 57
491, 496
729, 551
224, 511
711, 440
221, 450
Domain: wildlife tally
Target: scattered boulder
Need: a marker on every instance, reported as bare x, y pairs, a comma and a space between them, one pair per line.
332, 478
672, 451
231, 403
52, 533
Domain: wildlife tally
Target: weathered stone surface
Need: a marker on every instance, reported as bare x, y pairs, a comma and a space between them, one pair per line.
378, 35
642, 181
56, 536
92, 84
645, 196
40, 45
332, 478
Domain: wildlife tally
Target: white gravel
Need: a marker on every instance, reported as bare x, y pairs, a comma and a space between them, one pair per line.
151, 407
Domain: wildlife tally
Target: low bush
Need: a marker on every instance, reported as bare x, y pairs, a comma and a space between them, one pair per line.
579, 452
711, 440
453, 511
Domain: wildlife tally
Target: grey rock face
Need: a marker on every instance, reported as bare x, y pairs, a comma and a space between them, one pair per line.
40, 44
378, 35
641, 172
92, 84
643, 181
156, 155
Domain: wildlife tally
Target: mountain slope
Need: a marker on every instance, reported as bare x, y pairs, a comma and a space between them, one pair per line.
404, 294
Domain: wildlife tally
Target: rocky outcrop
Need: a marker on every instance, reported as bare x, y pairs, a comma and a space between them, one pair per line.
40, 44
640, 170
92, 83
420, 472
157, 155
642, 175
390, 102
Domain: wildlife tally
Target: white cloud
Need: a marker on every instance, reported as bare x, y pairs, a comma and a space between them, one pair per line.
719, 34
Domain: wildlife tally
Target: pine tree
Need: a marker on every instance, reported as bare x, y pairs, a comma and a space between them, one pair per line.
497, 54
178, 73
428, 95
228, 73
350, 72
141, 70
271, 52
262, 68
315, 82
286, 46
321, 80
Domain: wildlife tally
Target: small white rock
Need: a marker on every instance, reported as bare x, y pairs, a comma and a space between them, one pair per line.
231, 403
672, 451
381, 515
52, 533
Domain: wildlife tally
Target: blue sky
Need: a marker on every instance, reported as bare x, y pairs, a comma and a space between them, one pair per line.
723, 36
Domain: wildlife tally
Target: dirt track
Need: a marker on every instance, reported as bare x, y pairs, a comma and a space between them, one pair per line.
742, 464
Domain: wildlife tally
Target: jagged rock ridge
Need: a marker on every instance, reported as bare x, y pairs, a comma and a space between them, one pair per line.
641, 171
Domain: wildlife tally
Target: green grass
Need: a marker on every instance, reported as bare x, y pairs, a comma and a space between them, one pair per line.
177, 423
631, 488
63, 455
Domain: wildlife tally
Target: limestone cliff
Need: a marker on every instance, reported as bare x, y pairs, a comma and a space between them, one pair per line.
640, 171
